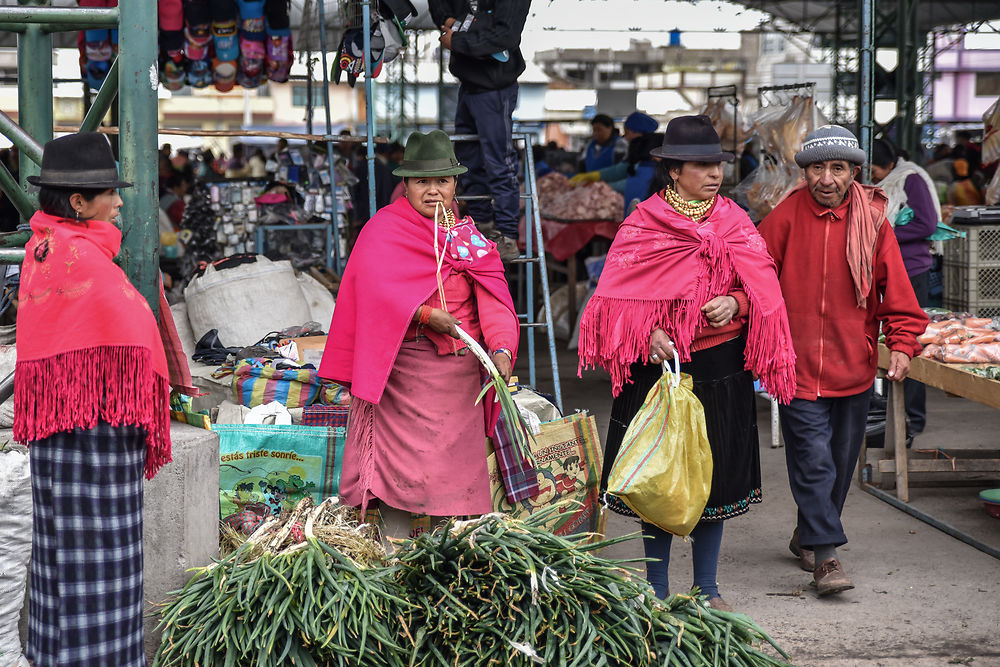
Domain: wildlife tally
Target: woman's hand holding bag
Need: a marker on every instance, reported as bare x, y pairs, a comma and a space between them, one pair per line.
663, 471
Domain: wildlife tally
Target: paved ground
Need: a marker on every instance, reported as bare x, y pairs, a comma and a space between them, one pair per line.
921, 597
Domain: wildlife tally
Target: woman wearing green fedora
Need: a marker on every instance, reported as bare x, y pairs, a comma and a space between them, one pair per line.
416, 438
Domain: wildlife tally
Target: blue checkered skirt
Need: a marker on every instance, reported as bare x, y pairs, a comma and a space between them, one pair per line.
86, 554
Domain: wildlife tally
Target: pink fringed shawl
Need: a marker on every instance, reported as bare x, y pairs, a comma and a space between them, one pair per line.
390, 274
662, 268
88, 346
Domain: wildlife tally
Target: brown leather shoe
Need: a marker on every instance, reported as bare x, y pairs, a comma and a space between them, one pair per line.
807, 558
830, 578
720, 604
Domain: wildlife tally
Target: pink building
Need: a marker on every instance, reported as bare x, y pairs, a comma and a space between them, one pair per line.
967, 81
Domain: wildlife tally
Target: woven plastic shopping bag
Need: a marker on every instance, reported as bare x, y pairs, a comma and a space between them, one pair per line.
663, 470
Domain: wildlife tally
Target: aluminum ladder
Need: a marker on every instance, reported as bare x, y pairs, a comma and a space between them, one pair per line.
533, 257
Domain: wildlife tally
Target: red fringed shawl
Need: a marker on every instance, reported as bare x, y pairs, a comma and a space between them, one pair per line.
662, 268
88, 346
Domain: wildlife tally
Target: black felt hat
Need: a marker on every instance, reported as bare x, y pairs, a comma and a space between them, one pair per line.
691, 139
82, 160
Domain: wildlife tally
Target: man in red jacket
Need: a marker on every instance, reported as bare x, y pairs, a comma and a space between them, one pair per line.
842, 277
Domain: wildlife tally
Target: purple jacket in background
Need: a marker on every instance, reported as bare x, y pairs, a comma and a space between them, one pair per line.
912, 237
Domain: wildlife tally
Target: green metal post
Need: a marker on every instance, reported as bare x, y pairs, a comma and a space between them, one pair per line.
34, 90
12, 189
138, 81
105, 98
39, 12
25, 143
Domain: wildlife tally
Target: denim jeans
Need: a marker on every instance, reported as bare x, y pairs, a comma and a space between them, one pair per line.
492, 161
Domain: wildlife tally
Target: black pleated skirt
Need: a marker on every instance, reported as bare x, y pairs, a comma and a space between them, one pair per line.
725, 390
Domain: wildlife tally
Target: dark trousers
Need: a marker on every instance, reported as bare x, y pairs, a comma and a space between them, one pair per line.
915, 393
492, 161
822, 441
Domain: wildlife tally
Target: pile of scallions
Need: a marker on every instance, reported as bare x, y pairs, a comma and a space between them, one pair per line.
490, 591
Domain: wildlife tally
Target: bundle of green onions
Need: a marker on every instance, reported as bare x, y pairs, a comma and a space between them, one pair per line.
491, 591
306, 604
518, 430
499, 591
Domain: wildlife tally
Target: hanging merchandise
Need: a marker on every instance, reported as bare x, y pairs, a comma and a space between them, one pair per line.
396, 13
279, 40
386, 35
226, 44
786, 116
171, 60
97, 48
198, 43
252, 43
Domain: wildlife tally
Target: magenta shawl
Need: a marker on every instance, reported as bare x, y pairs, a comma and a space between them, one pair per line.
662, 268
391, 272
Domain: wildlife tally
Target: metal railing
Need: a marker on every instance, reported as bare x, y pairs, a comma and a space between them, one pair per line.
534, 256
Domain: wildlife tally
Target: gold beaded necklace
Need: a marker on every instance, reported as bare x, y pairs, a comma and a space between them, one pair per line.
447, 217
696, 210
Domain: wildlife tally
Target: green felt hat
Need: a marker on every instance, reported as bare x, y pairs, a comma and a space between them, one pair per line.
429, 154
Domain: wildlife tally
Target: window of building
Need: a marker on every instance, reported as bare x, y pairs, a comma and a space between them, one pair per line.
987, 84
300, 95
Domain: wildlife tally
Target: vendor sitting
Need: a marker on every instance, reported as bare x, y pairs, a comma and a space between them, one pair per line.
606, 147
635, 175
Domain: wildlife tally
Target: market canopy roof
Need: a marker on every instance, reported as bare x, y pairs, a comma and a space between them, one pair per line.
822, 17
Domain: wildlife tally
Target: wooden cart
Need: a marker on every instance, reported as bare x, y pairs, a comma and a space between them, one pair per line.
893, 470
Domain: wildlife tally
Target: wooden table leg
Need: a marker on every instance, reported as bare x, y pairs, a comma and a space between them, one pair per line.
895, 437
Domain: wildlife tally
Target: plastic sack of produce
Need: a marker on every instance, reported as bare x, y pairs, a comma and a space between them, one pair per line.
15, 549
663, 471
267, 468
567, 464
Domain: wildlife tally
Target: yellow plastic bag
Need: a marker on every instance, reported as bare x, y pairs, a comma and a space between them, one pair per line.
663, 470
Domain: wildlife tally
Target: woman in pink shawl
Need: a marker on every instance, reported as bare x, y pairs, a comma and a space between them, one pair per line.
688, 272
416, 440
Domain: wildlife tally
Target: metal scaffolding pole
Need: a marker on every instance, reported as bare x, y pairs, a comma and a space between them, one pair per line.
138, 81
366, 26
866, 73
34, 90
330, 163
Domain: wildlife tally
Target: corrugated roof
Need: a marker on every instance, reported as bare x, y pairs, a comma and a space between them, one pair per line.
822, 17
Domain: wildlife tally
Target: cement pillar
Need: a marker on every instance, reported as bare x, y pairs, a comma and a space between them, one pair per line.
180, 522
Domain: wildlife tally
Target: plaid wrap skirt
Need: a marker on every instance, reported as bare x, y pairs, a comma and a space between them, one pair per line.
85, 604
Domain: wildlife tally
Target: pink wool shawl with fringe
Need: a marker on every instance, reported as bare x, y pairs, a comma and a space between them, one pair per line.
88, 345
662, 268
390, 274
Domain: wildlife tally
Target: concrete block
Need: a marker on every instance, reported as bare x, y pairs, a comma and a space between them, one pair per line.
180, 521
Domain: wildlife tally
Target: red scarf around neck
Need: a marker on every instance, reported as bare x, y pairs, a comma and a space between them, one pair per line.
88, 346
392, 271
662, 268
865, 215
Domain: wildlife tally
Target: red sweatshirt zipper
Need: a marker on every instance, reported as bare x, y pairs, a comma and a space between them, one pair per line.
822, 306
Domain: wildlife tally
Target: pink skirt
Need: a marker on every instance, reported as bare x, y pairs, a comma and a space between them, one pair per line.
422, 448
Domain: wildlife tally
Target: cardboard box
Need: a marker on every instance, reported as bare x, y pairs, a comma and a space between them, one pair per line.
310, 349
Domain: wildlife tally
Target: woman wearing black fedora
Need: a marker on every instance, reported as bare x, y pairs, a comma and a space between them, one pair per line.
91, 399
688, 271
416, 438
